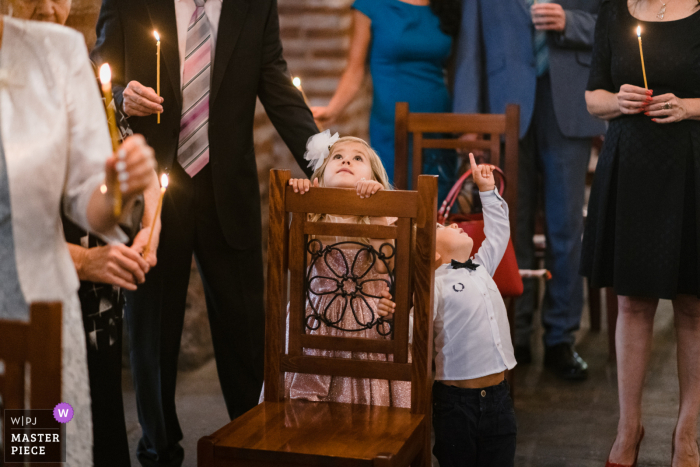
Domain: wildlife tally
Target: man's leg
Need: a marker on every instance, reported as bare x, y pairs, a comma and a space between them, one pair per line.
564, 164
155, 314
234, 287
528, 182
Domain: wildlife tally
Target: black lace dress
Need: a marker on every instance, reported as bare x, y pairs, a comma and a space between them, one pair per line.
642, 233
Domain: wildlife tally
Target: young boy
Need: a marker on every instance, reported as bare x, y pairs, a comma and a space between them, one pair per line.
473, 413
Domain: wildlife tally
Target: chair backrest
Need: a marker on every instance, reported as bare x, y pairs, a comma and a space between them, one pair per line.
492, 128
413, 275
38, 343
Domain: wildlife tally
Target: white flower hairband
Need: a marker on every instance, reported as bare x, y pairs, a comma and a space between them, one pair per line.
318, 147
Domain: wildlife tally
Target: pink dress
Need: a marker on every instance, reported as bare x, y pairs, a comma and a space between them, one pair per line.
347, 267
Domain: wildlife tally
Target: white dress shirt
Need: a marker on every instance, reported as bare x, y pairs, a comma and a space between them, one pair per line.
184, 9
471, 332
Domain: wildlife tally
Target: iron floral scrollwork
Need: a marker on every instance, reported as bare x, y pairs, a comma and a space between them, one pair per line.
348, 285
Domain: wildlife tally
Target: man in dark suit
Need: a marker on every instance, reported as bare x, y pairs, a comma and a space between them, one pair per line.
538, 55
217, 57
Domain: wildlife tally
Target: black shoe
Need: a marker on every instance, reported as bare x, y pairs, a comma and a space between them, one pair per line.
523, 355
563, 360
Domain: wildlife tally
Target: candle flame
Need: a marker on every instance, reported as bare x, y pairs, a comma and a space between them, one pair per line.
105, 74
297, 82
164, 181
639, 31
155, 33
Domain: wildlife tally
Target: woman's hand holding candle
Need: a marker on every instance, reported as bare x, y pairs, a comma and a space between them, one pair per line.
132, 167
633, 99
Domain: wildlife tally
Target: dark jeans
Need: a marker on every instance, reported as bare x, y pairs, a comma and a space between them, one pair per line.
474, 427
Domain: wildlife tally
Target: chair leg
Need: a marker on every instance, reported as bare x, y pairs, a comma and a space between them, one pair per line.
611, 305
425, 457
13, 387
205, 452
594, 307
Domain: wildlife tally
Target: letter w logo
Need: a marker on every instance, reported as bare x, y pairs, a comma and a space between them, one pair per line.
62, 412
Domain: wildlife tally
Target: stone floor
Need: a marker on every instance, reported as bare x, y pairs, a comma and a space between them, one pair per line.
560, 424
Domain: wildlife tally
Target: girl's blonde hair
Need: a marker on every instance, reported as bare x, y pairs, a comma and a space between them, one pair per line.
378, 171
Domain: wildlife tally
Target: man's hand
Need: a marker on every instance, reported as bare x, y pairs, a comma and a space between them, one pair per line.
548, 17
113, 264
140, 101
386, 307
483, 175
140, 241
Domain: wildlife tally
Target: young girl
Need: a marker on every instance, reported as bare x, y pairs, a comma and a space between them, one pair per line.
346, 163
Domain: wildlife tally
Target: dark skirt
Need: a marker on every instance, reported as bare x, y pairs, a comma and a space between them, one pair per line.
641, 236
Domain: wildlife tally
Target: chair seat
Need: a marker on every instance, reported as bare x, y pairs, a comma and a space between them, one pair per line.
297, 432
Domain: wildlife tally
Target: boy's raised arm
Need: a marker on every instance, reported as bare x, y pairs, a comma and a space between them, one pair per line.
496, 224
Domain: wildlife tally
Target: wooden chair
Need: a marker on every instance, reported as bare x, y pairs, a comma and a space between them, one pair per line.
281, 432
492, 128
38, 343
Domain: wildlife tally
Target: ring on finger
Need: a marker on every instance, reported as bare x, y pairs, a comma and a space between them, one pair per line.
667, 106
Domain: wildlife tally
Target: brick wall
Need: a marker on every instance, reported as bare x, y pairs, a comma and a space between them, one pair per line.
316, 37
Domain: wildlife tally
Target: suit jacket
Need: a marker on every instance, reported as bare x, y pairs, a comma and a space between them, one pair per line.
248, 63
495, 62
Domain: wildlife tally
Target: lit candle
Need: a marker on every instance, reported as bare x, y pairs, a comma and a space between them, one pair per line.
163, 186
106, 80
641, 54
297, 84
155, 33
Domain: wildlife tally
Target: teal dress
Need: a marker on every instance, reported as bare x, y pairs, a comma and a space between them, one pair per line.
407, 60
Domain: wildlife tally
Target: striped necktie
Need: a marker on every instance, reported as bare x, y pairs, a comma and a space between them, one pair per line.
193, 146
539, 44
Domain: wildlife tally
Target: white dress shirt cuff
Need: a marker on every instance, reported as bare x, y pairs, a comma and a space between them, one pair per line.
490, 197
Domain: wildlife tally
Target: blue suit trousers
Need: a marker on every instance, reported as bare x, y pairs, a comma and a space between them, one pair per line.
557, 165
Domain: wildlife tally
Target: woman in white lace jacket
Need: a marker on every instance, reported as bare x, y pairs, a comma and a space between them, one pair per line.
55, 148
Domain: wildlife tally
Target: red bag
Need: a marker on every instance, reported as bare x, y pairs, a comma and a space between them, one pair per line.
507, 276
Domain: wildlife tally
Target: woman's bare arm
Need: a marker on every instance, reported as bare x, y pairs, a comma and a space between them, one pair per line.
354, 74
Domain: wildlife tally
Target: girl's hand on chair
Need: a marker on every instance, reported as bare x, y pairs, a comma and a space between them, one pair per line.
385, 307
302, 185
366, 188
483, 175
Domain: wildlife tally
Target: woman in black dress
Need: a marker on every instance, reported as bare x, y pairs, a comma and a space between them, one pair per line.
642, 235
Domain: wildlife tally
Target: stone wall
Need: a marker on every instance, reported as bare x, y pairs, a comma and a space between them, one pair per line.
316, 37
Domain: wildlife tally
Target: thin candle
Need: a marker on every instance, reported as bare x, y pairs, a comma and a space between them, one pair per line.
106, 80
641, 54
163, 187
155, 33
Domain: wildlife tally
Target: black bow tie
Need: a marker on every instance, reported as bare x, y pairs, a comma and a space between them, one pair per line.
469, 264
